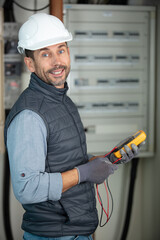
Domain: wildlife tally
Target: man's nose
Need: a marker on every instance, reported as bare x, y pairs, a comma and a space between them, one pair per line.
55, 60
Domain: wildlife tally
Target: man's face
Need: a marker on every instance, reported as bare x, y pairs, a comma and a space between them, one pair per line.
51, 64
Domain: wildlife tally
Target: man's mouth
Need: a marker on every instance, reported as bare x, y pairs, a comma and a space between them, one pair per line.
57, 72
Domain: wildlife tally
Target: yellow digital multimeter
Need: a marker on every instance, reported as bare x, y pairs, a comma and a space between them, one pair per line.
137, 139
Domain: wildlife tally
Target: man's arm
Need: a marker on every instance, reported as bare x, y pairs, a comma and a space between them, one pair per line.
69, 179
27, 149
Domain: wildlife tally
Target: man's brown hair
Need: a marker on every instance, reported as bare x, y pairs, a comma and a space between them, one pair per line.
29, 53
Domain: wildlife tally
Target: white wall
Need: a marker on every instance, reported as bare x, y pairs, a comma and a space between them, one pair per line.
146, 211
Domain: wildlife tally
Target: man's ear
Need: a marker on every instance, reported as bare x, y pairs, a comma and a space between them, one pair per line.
29, 63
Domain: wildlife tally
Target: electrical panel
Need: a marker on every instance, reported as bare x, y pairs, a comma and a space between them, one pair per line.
112, 77
12, 64
1, 84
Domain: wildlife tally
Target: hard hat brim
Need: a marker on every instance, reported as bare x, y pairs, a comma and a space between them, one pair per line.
22, 46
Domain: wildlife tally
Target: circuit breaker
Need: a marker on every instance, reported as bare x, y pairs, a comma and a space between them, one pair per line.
112, 77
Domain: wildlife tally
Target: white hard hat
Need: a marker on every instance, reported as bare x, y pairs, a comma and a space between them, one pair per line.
42, 30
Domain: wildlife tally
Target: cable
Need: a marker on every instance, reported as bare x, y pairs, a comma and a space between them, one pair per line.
103, 210
108, 191
6, 202
35, 5
8, 11
111, 199
83, 2
130, 198
28, 9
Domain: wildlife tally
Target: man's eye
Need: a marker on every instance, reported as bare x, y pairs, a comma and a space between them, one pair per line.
45, 54
61, 51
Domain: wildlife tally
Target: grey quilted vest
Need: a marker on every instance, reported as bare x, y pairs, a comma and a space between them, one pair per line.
75, 213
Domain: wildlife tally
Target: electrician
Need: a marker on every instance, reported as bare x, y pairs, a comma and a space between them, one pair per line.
51, 174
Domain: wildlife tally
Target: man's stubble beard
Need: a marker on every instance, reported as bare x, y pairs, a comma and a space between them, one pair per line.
49, 80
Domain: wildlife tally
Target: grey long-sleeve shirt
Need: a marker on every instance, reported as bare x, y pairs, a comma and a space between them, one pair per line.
27, 149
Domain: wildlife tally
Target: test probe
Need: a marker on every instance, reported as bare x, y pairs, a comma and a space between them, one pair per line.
136, 139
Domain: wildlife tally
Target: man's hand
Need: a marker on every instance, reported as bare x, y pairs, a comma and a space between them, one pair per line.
127, 155
96, 171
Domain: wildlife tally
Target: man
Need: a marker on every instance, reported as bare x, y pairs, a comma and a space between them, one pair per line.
51, 174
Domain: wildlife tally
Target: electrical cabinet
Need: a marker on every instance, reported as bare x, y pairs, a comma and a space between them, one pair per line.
12, 64
112, 79
1, 85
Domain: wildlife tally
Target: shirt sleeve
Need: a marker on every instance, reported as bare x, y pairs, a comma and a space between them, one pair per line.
27, 150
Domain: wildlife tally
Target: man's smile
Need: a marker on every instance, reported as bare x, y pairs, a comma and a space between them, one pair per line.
58, 72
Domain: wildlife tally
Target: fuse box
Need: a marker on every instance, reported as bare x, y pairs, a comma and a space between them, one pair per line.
112, 77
